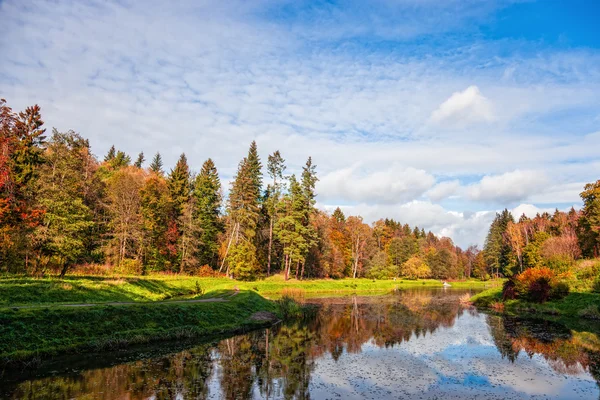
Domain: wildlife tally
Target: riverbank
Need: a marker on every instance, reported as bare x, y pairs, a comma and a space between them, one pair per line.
30, 334
18, 291
575, 305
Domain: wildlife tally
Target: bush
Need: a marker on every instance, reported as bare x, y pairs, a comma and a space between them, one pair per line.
206, 271
509, 291
596, 286
129, 266
559, 290
539, 285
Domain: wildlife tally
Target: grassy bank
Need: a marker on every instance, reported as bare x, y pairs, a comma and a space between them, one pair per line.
574, 305
95, 289
27, 334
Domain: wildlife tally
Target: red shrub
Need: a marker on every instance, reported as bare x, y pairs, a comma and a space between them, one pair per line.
206, 271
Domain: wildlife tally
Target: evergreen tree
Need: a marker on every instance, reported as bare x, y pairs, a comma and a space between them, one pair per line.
290, 230
244, 212
155, 208
275, 167
140, 160
157, 165
111, 154
497, 251
589, 221
309, 180
179, 185
120, 160
207, 193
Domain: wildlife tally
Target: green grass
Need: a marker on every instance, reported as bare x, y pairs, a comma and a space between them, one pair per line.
571, 306
96, 289
39, 332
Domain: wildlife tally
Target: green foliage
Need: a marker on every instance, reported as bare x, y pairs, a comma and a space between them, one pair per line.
589, 221
207, 192
157, 164
140, 160
179, 185
496, 249
596, 285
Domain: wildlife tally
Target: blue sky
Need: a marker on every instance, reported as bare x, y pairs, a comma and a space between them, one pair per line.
436, 113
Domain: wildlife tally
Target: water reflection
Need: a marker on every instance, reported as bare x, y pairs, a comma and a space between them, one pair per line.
417, 343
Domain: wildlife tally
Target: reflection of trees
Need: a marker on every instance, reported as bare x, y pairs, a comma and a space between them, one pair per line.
387, 321
184, 373
566, 351
278, 362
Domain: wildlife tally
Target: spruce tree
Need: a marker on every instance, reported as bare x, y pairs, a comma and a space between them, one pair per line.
157, 164
111, 154
179, 185
140, 160
244, 212
207, 193
308, 195
497, 251
275, 167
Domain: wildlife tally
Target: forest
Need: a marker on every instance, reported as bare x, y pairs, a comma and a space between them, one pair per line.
63, 210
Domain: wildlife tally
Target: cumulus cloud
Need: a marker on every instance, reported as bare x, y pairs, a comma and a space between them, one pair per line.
463, 108
443, 190
464, 228
393, 185
508, 187
209, 77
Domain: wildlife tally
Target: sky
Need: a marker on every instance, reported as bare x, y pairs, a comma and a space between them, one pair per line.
434, 113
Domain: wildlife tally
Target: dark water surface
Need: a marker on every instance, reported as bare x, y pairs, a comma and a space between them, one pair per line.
413, 344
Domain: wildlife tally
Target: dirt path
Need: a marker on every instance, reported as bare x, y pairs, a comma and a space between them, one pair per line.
122, 303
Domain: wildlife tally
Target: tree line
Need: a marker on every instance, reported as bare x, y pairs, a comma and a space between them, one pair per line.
61, 207
555, 240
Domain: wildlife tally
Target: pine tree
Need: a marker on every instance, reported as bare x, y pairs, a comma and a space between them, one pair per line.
276, 167
290, 230
244, 212
207, 192
111, 154
497, 251
309, 180
140, 160
155, 209
179, 185
589, 221
157, 164
120, 160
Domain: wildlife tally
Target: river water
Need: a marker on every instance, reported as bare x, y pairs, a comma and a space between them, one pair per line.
414, 343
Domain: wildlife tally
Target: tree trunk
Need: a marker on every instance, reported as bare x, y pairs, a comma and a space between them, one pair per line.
302, 272
297, 269
233, 232
270, 246
287, 269
63, 272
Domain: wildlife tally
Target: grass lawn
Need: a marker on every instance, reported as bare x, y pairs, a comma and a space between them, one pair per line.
578, 304
29, 333
99, 289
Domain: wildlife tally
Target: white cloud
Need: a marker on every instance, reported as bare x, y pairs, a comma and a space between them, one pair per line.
393, 185
508, 187
208, 77
464, 108
443, 190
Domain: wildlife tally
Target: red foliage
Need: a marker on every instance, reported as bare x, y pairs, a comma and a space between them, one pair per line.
206, 271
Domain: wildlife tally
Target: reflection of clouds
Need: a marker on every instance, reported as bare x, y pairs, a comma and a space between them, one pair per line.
457, 362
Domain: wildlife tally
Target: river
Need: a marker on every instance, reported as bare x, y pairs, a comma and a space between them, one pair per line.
415, 343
